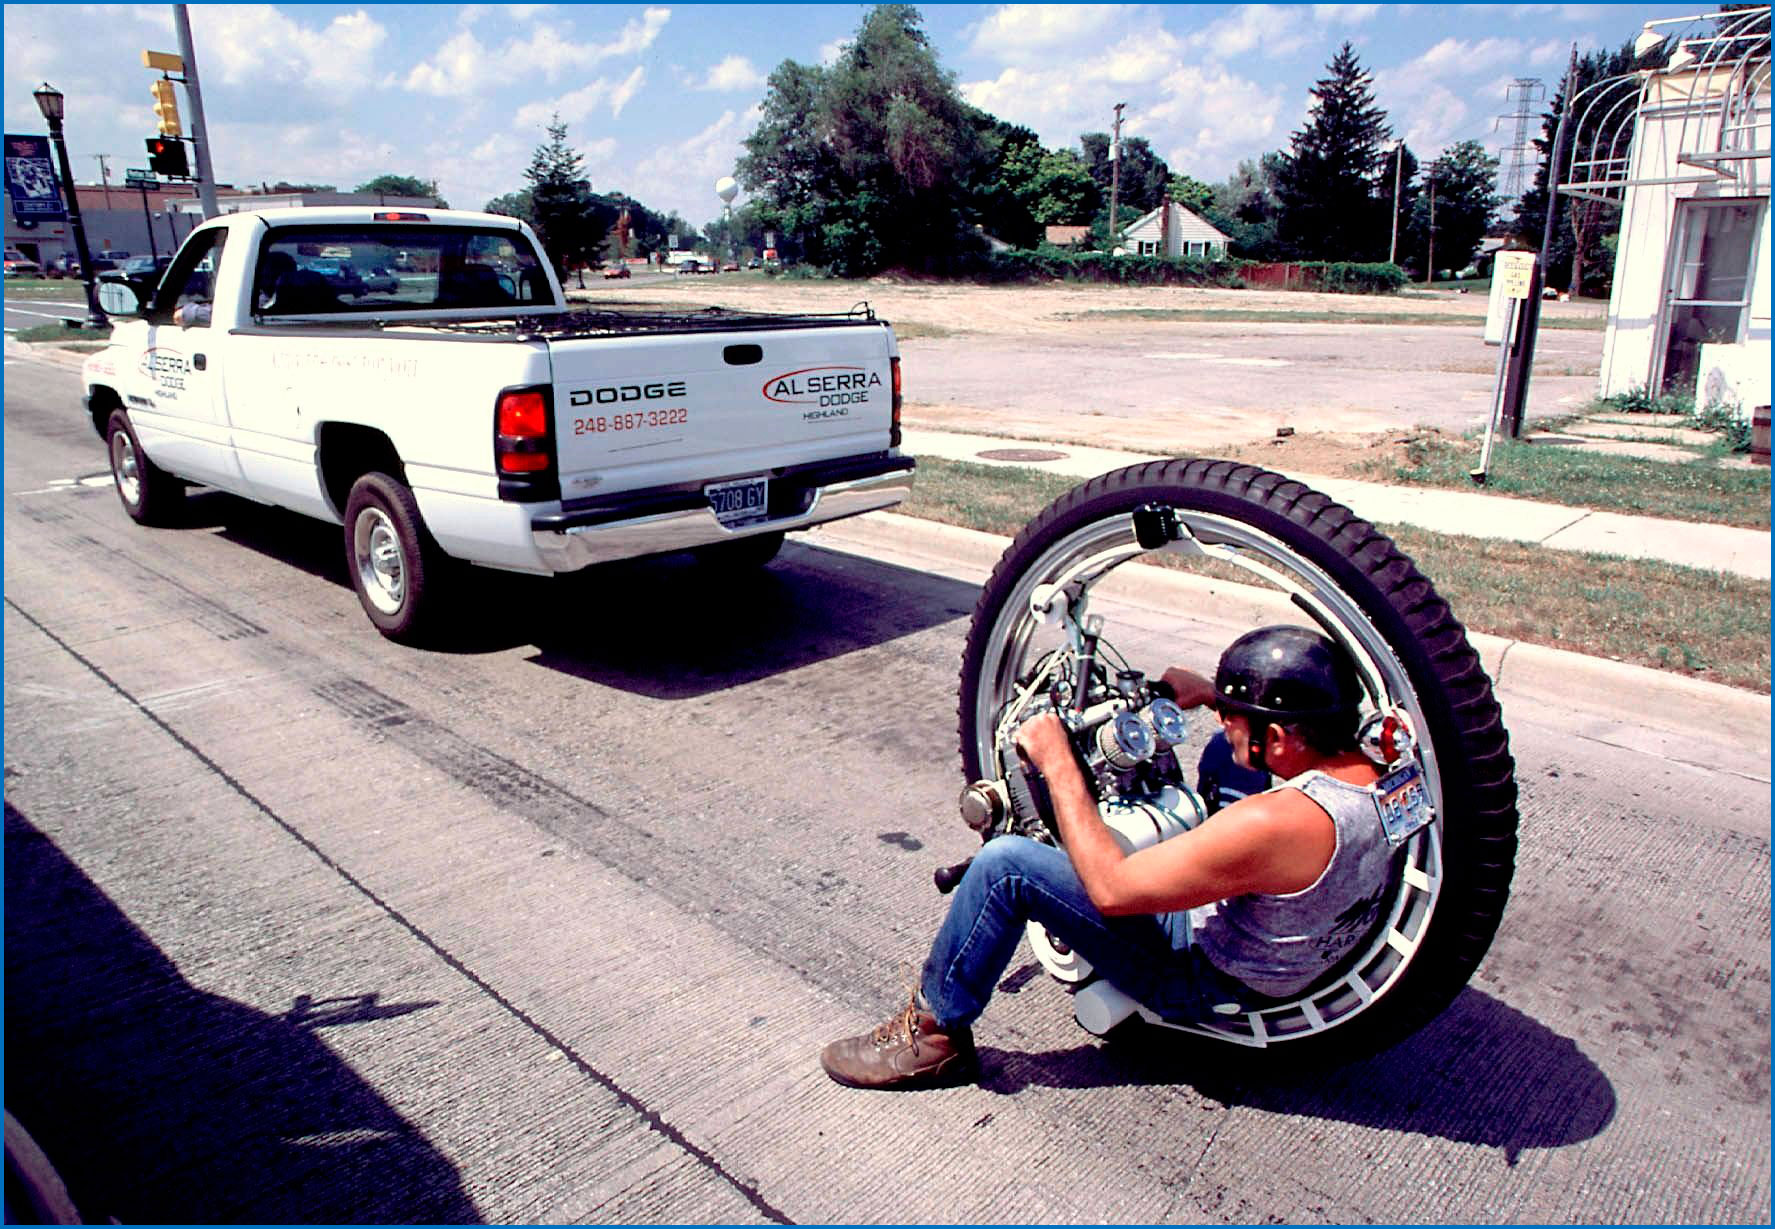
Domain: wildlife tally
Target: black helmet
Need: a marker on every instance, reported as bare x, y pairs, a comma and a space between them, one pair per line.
1287, 675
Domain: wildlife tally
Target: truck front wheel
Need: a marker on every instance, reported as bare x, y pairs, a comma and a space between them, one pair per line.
396, 567
149, 494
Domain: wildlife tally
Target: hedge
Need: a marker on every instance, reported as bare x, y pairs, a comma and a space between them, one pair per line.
1023, 264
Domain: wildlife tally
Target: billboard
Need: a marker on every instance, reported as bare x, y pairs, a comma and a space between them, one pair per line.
30, 179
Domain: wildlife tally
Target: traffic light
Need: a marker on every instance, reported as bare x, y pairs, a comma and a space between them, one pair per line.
166, 107
166, 156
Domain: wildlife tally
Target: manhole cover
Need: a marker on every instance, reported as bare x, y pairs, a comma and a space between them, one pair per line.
1022, 454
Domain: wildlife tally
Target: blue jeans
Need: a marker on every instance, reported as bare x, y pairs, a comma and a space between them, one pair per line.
1015, 880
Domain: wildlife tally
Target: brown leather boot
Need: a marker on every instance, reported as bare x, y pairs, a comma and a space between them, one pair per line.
907, 1051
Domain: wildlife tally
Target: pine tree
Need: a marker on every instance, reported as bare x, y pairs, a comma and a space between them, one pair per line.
570, 222
1326, 185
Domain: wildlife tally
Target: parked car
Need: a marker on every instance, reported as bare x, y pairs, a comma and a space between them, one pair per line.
340, 274
143, 271
17, 264
380, 281
618, 271
754, 263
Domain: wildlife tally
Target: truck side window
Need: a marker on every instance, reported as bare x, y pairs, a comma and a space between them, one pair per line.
190, 281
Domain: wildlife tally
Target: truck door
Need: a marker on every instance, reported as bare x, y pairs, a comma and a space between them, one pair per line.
184, 427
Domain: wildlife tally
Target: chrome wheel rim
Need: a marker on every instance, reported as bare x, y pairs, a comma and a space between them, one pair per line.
125, 468
1082, 558
381, 565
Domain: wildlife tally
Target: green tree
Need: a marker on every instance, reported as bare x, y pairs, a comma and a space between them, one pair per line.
1192, 194
568, 219
513, 205
874, 161
1326, 183
403, 185
1463, 182
1245, 208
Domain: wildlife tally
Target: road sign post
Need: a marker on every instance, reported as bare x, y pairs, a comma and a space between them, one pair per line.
1513, 281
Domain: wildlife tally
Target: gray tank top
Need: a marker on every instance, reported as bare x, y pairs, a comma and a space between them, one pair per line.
1279, 945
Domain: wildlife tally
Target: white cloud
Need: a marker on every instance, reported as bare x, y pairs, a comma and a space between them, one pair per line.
682, 176
733, 73
1344, 14
459, 67
1014, 32
1255, 27
829, 52
580, 105
259, 45
463, 65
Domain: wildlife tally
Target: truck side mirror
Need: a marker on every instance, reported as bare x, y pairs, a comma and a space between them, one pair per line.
119, 299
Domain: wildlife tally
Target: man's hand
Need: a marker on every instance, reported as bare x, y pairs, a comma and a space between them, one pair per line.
1045, 743
1190, 689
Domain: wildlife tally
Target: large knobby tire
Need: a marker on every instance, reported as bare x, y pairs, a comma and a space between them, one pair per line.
396, 567
149, 494
1455, 877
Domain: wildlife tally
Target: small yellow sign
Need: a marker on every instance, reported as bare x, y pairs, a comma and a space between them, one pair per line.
1515, 271
165, 61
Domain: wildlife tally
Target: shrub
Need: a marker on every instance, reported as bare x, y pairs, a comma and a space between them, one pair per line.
1026, 264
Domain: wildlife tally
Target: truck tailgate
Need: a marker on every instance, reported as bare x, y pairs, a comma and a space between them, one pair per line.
641, 411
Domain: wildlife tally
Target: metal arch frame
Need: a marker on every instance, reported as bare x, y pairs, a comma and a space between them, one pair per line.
1729, 67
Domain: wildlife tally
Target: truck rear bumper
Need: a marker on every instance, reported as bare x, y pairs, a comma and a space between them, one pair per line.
657, 523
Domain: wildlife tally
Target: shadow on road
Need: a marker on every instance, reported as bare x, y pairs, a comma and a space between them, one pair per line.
159, 1103
671, 628
668, 626
1480, 1073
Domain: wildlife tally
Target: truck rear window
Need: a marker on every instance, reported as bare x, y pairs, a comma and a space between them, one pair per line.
377, 269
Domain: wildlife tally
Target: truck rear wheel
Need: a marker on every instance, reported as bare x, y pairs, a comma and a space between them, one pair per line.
149, 494
396, 567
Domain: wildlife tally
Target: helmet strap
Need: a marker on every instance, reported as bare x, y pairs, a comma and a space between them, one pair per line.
1260, 733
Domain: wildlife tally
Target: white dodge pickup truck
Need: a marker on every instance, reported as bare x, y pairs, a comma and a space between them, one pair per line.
447, 408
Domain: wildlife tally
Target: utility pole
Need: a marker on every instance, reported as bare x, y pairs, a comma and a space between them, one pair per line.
1398, 168
1115, 176
1430, 259
200, 141
1522, 357
104, 177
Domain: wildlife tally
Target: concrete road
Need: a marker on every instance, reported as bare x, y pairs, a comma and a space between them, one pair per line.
302, 925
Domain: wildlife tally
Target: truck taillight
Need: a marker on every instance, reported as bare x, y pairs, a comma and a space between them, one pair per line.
894, 431
523, 442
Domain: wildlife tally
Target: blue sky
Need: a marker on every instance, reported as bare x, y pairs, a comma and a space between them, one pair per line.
658, 97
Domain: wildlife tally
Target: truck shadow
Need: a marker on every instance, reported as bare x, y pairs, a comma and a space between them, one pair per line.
160, 1103
669, 626
1480, 1073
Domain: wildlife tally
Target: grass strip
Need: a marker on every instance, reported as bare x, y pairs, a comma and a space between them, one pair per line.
1233, 315
68, 290
62, 333
1697, 490
1706, 624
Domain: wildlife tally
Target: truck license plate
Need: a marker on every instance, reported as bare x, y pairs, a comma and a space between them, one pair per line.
740, 502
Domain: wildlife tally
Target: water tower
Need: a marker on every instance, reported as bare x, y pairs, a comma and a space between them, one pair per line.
727, 189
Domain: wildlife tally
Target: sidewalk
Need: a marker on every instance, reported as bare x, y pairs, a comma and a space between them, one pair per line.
1722, 548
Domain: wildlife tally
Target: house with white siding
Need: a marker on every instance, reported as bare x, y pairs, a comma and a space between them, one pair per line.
1172, 233
1683, 151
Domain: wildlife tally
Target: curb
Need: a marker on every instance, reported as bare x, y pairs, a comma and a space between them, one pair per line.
1672, 708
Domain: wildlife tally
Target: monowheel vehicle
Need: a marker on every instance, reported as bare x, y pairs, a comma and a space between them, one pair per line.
1430, 720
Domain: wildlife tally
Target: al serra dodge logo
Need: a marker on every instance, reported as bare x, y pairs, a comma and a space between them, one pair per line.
828, 388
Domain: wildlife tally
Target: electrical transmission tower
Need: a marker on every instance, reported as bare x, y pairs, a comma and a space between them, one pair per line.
1516, 158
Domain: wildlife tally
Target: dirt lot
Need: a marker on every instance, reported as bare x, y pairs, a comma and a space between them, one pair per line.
1045, 362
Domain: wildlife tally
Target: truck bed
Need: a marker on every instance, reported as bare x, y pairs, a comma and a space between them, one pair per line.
618, 320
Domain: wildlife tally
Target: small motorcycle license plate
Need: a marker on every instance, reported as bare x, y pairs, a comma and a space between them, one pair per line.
1403, 803
740, 502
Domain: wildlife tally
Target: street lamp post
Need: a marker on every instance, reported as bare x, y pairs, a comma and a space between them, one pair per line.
50, 101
